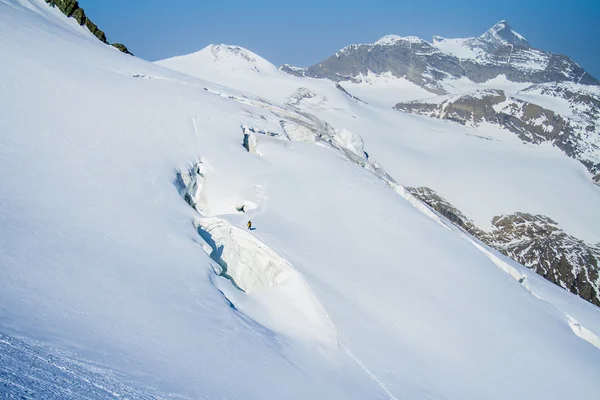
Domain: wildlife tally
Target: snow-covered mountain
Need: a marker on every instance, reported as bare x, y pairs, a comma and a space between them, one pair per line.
435, 66
128, 270
235, 59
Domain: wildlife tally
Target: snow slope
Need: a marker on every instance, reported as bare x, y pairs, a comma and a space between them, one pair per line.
485, 172
111, 275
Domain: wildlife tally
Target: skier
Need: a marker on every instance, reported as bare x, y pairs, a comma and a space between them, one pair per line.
249, 225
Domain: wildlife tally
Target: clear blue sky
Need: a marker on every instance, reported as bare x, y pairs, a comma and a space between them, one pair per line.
304, 32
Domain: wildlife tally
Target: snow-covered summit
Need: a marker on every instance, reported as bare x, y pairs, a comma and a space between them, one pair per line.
223, 57
502, 34
390, 40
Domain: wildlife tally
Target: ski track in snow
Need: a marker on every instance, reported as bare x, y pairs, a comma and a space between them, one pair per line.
368, 372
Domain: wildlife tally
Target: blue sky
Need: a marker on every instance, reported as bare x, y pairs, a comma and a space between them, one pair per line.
304, 32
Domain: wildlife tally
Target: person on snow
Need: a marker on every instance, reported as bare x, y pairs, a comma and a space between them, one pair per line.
249, 225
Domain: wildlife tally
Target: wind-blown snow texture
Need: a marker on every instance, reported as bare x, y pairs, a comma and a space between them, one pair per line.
112, 285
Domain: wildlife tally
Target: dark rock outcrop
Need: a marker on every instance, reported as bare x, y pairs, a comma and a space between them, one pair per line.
577, 136
439, 204
122, 48
535, 241
72, 9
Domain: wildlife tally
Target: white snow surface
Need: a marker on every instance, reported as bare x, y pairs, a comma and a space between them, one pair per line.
460, 48
105, 272
486, 171
234, 58
390, 40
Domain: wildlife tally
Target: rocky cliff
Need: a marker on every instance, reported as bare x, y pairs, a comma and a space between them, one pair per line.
534, 241
72, 9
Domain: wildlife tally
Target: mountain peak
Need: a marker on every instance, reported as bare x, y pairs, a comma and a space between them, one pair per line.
390, 40
502, 34
217, 59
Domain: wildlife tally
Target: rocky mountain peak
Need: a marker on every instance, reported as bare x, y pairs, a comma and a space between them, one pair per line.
501, 34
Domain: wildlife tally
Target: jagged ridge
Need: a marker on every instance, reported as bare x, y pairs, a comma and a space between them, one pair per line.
72, 9
577, 136
498, 51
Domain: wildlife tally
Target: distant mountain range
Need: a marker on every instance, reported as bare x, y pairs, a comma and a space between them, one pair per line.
499, 51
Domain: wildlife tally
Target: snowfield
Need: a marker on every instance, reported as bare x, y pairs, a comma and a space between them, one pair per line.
127, 270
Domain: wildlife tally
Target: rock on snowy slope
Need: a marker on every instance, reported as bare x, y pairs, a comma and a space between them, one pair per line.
72, 9
572, 126
499, 51
578, 136
534, 241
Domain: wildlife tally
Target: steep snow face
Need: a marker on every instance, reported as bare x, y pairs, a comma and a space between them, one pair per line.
461, 48
103, 263
501, 34
261, 284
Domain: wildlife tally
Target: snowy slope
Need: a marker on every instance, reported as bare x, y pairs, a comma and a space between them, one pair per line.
485, 172
237, 59
109, 273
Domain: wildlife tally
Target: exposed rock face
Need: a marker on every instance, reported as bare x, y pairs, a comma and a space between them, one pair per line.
537, 242
71, 9
578, 135
341, 88
439, 204
534, 241
498, 51
121, 47
412, 58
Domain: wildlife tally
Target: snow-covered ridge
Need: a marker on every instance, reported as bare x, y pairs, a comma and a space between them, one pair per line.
263, 285
499, 51
390, 40
502, 34
223, 57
